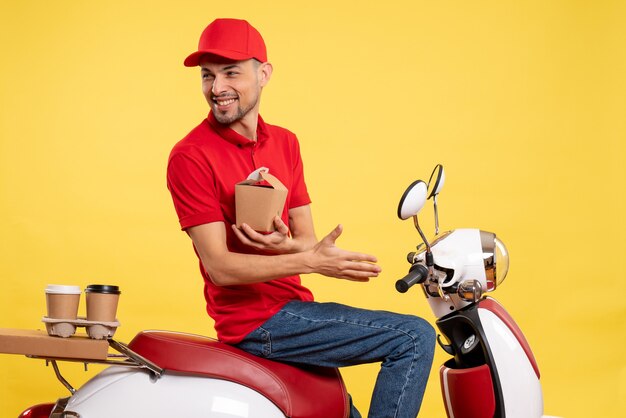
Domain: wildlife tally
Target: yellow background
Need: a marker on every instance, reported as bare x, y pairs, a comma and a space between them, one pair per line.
522, 101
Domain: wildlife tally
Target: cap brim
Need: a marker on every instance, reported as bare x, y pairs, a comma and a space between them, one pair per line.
193, 60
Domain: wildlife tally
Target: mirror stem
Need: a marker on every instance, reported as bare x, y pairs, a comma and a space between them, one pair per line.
436, 215
430, 262
417, 226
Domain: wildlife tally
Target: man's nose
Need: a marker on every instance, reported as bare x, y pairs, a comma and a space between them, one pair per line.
218, 85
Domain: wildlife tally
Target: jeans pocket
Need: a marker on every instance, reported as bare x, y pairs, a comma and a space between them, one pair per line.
266, 342
258, 342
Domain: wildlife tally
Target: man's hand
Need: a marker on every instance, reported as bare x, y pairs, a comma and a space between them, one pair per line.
332, 261
303, 254
278, 242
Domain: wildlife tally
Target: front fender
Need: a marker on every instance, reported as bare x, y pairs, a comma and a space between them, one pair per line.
43, 410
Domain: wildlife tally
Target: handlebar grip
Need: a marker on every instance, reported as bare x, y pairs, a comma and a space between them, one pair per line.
417, 274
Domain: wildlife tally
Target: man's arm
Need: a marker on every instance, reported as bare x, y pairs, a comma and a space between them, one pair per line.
229, 268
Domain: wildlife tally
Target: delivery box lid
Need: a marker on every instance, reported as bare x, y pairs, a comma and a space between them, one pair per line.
260, 175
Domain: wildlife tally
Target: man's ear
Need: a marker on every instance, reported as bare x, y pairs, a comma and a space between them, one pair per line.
265, 73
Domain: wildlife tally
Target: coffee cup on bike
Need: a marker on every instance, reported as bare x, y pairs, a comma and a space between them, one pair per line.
62, 301
102, 302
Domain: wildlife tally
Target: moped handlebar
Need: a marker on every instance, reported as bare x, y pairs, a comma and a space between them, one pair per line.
417, 274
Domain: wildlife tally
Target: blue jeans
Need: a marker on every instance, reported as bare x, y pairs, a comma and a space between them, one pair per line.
334, 335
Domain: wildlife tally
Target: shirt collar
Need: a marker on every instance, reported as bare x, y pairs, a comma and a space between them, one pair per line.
235, 138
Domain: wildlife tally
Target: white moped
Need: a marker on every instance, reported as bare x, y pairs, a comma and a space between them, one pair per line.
492, 372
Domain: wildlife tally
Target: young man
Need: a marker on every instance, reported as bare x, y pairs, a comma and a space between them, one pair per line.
252, 284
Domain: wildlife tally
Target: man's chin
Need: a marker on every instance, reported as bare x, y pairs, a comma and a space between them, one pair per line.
225, 118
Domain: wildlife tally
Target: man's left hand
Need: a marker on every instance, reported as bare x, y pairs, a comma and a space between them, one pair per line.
278, 242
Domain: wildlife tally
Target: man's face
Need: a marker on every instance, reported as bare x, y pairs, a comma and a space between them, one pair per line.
232, 88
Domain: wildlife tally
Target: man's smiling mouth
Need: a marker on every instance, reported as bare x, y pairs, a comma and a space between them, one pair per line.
224, 101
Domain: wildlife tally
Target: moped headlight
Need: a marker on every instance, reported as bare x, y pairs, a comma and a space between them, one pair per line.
496, 259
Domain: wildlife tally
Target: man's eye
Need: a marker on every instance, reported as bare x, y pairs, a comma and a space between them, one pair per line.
231, 73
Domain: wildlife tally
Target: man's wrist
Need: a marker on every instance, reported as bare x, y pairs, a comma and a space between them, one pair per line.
307, 261
300, 245
295, 246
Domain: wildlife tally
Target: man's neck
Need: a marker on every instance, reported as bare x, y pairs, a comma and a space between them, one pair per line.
247, 126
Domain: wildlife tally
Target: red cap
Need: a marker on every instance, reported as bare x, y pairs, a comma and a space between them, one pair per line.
229, 38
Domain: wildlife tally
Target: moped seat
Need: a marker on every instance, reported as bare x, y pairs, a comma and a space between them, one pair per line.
298, 392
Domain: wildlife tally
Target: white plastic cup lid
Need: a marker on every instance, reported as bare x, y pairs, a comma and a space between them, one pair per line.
58, 289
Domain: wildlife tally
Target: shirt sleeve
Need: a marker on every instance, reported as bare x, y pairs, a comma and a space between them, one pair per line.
193, 191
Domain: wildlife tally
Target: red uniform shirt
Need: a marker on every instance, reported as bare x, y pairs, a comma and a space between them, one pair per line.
202, 172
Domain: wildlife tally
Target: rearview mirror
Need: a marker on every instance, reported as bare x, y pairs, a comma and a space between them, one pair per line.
436, 181
435, 184
413, 200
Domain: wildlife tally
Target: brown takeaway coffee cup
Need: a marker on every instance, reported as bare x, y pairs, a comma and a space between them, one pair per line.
102, 302
62, 301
